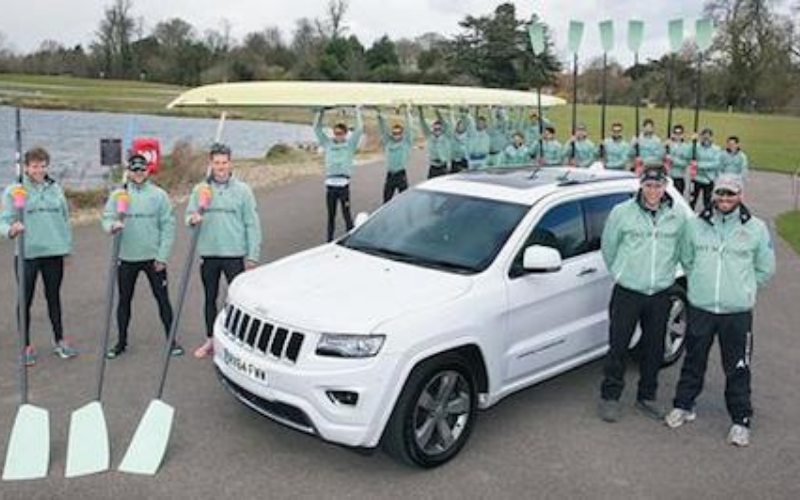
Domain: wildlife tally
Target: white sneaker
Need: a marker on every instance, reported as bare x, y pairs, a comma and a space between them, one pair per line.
678, 416
739, 435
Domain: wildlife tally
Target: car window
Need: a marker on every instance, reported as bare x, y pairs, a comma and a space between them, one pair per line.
562, 228
596, 210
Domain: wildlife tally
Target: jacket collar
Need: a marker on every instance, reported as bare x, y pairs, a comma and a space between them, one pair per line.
745, 215
665, 200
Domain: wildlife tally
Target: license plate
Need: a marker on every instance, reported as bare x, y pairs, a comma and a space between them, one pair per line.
245, 368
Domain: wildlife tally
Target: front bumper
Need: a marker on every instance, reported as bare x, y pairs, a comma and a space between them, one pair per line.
296, 393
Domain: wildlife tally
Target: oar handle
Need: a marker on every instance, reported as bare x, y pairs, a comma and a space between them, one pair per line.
19, 205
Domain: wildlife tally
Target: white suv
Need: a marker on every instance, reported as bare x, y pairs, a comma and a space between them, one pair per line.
452, 296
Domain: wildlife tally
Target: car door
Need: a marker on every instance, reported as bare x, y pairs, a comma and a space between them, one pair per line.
556, 316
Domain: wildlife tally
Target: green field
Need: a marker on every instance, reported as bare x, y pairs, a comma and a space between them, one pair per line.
789, 228
772, 142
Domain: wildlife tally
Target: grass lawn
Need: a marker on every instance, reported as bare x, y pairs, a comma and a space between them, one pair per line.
771, 142
789, 228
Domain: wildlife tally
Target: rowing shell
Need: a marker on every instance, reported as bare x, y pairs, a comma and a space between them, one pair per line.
336, 94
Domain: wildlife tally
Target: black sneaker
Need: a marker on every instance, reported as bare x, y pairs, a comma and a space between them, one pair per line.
115, 351
609, 410
650, 409
176, 351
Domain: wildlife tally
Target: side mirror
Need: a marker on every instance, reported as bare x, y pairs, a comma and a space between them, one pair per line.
540, 259
361, 218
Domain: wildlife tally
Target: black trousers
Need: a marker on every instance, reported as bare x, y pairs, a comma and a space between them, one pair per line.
704, 189
52, 271
680, 184
334, 195
627, 309
395, 181
437, 170
211, 270
736, 346
128, 272
458, 165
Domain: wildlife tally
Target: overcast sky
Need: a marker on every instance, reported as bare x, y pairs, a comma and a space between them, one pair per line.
71, 22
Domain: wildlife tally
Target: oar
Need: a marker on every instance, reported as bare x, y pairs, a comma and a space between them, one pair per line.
146, 450
607, 41
704, 33
635, 36
28, 453
536, 34
88, 448
575, 36
675, 43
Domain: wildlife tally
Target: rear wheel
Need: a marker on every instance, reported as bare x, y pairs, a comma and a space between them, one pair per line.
675, 338
434, 414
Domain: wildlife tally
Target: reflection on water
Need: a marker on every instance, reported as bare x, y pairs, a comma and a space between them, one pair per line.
73, 138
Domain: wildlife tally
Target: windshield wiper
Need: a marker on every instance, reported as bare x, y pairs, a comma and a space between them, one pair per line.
413, 259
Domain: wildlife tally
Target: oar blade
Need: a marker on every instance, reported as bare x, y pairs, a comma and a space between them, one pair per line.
536, 35
149, 444
675, 35
635, 35
575, 36
28, 454
607, 35
704, 34
88, 449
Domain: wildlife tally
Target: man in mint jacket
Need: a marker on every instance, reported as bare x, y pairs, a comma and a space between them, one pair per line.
457, 132
679, 155
397, 145
438, 143
48, 242
733, 160
648, 145
478, 142
549, 153
616, 150
230, 234
581, 152
517, 154
640, 246
727, 255
148, 232
339, 157
708, 166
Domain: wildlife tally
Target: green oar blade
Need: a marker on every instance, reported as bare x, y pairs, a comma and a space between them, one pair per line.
705, 34
607, 35
88, 449
28, 454
536, 35
675, 35
575, 36
150, 440
635, 35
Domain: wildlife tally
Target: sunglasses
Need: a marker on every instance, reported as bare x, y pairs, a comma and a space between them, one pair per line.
726, 192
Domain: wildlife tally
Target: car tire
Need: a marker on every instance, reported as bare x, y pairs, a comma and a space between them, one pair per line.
434, 415
675, 334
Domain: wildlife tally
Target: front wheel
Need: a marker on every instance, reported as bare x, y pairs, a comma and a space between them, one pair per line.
434, 414
675, 338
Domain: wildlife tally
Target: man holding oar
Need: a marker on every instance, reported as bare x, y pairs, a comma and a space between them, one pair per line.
48, 243
584, 152
616, 150
679, 158
230, 242
437, 143
397, 145
648, 145
148, 232
708, 156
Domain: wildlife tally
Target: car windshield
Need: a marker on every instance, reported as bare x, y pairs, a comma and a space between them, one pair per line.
451, 232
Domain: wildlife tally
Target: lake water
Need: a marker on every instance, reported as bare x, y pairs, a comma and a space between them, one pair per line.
73, 139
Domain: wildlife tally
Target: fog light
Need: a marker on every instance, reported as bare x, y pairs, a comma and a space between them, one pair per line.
343, 397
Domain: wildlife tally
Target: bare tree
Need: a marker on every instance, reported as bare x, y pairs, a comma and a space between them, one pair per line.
114, 37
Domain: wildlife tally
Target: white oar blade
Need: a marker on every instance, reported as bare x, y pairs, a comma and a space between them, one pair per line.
150, 440
88, 449
28, 454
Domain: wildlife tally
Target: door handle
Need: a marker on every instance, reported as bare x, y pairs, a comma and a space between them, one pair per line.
587, 270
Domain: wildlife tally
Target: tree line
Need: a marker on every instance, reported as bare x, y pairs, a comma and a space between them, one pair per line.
754, 64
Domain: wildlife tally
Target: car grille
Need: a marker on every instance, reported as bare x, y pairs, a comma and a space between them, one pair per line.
268, 338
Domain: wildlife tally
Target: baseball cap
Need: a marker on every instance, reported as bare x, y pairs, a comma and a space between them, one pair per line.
728, 182
653, 172
137, 162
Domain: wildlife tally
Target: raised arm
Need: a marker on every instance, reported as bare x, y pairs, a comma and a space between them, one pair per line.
322, 138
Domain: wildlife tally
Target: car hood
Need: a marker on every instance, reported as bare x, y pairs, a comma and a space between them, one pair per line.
338, 290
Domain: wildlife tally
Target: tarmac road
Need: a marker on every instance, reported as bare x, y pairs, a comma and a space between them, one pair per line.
545, 442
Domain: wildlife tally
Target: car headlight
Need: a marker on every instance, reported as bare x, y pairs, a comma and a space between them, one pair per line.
349, 346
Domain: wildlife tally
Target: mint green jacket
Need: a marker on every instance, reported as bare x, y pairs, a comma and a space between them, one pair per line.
339, 157
553, 153
641, 252
514, 156
459, 142
479, 144
231, 226
735, 163
681, 155
617, 153
585, 153
726, 258
650, 149
149, 223
708, 163
47, 227
397, 152
437, 147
